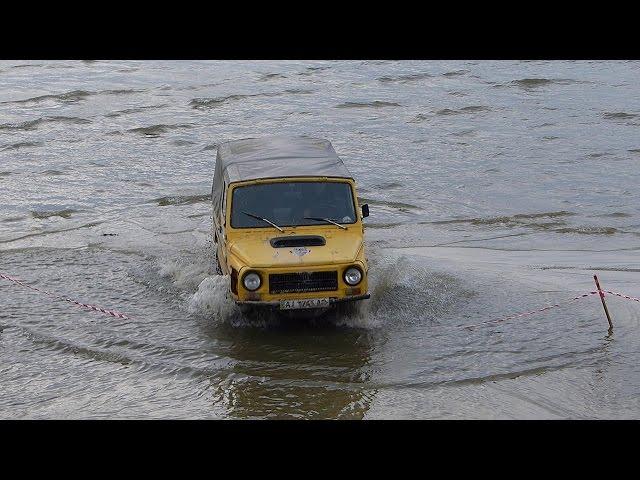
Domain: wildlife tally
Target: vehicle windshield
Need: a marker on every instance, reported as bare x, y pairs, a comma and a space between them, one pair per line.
288, 203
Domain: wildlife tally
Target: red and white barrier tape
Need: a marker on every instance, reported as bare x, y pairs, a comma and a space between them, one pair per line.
531, 312
622, 295
113, 313
117, 314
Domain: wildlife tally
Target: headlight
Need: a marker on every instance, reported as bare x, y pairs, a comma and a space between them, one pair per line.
352, 276
251, 281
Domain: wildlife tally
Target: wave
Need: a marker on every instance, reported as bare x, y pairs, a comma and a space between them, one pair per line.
311, 70
67, 120
182, 200
531, 83
271, 76
464, 133
119, 91
504, 219
67, 97
614, 215
463, 110
619, 115
28, 125
558, 225
404, 207
64, 213
414, 77
204, 291
207, 103
383, 225
394, 286
299, 91
397, 293
72, 96
128, 111
12, 219
34, 124
27, 65
421, 117
455, 73
20, 145
590, 230
212, 300
156, 130
374, 104
183, 143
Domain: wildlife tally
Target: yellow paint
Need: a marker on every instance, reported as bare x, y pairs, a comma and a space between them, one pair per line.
248, 249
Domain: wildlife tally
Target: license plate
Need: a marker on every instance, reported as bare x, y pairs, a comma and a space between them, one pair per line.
299, 304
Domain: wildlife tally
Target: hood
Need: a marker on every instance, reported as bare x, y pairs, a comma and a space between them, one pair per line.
257, 251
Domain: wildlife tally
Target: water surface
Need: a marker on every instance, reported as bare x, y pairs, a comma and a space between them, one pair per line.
494, 187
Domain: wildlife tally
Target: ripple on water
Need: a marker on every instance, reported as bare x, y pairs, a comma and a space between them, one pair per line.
589, 230
464, 110
619, 115
157, 130
206, 103
71, 97
34, 124
455, 73
533, 83
129, 111
177, 200
413, 77
214, 102
63, 213
271, 76
507, 220
21, 145
374, 104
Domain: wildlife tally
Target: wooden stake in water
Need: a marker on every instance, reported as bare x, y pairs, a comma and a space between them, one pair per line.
604, 304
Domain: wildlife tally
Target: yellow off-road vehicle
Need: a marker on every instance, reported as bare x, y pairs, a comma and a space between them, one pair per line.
287, 225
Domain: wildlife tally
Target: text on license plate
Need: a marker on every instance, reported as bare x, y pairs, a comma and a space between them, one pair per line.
310, 303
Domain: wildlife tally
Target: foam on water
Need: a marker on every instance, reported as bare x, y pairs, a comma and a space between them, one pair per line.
212, 298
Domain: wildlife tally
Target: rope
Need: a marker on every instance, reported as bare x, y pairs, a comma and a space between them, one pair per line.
95, 308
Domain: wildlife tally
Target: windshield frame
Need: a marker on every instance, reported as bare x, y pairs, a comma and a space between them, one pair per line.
349, 182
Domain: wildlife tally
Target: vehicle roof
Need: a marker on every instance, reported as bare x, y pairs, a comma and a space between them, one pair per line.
277, 157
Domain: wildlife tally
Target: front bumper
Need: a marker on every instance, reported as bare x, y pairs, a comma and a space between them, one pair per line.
276, 303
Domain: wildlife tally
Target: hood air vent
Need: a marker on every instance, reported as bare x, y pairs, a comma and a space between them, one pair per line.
298, 241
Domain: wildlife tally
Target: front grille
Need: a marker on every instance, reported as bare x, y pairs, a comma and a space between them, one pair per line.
303, 282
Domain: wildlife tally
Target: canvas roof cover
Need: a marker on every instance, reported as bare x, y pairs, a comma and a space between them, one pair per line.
275, 157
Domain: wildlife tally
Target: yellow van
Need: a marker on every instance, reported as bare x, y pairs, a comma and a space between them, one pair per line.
287, 226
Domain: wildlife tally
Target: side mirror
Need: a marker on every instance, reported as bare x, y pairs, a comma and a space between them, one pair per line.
365, 210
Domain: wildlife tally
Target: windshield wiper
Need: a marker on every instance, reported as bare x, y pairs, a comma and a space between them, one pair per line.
264, 220
326, 220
